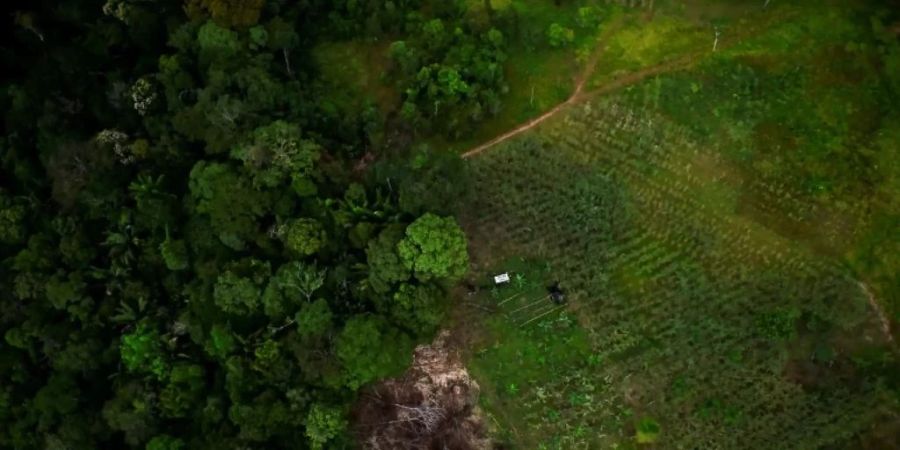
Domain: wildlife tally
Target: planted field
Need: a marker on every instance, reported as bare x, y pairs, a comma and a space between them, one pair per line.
712, 225
697, 318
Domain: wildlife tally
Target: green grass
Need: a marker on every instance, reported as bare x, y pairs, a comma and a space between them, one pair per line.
673, 301
642, 43
710, 292
521, 346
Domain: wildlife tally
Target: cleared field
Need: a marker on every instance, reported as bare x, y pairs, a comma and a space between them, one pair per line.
720, 330
706, 213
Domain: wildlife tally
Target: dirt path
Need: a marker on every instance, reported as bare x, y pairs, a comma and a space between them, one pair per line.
582, 79
879, 311
580, 93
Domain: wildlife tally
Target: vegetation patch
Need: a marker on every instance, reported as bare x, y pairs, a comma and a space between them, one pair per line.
671, 283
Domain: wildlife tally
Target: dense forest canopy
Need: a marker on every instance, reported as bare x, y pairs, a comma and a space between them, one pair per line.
189, 258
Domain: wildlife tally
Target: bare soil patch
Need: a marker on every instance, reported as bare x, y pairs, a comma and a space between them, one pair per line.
434, 405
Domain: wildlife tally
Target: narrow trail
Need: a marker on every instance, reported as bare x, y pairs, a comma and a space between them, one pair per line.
580, 93
579, 88
879, 311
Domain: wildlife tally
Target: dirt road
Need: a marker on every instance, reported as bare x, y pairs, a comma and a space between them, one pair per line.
580, 93
582, 79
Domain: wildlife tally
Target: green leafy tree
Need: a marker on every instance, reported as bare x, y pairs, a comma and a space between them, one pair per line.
303, 278
183, 391
323, 425
386, 269
450, 80
221, 341
434, 248
314, 319
263, 417
174, 253
278, 153
67, 293
217, 44
292, 284
232, 206
304, 237
282, 35
12, 221
404, 55
141, 351
417, 307
266, 355
143, 96
56, 399
236, 294
432, 182
155, 207
560, 36
369, 349
130, 411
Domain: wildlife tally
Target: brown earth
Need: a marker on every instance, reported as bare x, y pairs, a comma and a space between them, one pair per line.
434, 405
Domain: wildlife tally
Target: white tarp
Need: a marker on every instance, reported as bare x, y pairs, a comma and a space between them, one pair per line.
502, 278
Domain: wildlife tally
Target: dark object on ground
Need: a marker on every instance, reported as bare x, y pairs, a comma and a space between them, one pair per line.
556, 294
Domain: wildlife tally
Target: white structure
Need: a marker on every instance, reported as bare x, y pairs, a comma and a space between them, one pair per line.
502, 278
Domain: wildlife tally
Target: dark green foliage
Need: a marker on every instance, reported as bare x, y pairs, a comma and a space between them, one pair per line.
174, 253
232, 205
233, 13
130, 412
263, 418
304, 237
417, 307
236, 295
220, 342
314, 319
370, 348
165, 442
779, 325
294, 283
433, 181
142, 351
277, 154
184, 241
183, 390
323, 424
560, 36
434, 247
452, 75
12, 217
385, 267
